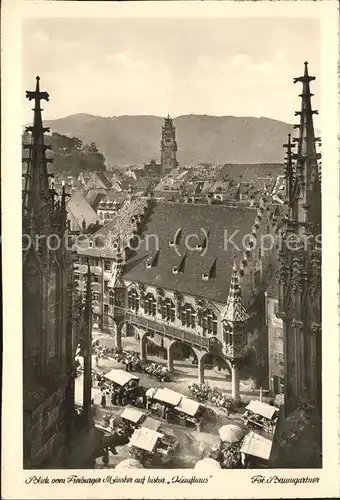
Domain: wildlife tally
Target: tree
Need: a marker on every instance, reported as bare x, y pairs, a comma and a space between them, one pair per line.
70, 156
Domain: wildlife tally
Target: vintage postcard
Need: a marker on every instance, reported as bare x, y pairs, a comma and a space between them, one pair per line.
170, 250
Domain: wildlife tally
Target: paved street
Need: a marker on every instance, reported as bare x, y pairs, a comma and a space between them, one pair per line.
192, 444
184, 372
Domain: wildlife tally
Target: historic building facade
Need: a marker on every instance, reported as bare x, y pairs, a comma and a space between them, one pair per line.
275, 342
181, 281
299, 262
48, 376
168, 146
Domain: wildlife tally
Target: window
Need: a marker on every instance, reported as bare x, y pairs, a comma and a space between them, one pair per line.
150, 305
95, 278
95, 262
209, 322
95, 296
106, 308
107, 265
133, 300
111, 297
168, 310
188, 316
228, 337
281, 359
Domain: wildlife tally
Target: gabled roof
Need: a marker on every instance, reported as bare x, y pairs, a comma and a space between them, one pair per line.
250, 172
164, 221
94, 196
79, 209
103, 179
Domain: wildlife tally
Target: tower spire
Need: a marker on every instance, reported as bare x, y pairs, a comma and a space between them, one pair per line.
306, 156
235, 311
289, 173
37, 192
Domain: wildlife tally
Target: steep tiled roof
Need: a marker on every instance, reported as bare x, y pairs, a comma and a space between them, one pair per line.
104, 179
94, 196
250, 172
79, 209
165, 220
122, 227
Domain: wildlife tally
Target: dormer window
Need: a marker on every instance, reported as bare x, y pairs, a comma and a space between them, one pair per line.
205, 276
152, 260
175, 270
176, 239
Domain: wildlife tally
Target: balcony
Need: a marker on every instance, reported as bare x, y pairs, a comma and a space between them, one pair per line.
168, 330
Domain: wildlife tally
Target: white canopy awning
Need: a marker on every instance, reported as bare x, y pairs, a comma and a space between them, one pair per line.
145, 439
168, 396
262, 409
256, 445
133, 415
188, 406
120, 377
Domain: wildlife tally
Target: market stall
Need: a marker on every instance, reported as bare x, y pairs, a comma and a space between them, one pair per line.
189, 412
164, 402
255, 450
149, 445
259, 415
130, 419
125, 384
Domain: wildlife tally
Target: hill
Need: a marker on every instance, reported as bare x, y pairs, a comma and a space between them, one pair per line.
200, 138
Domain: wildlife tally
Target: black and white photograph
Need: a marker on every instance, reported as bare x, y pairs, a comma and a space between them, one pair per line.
172, 245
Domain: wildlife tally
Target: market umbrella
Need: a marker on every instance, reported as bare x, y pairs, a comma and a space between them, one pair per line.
129, 463
151, 392
207, 464
231, 433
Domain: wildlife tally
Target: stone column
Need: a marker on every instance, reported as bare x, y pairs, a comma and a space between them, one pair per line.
170, 357
235, 382
142, 345
118, 337
200, 369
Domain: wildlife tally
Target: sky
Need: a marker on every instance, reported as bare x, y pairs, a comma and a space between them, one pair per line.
113, 67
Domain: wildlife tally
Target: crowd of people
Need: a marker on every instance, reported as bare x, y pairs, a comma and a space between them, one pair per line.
206, 394
131, 360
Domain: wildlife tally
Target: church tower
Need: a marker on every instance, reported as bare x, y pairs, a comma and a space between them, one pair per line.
48, 375
168, 146
299, 261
